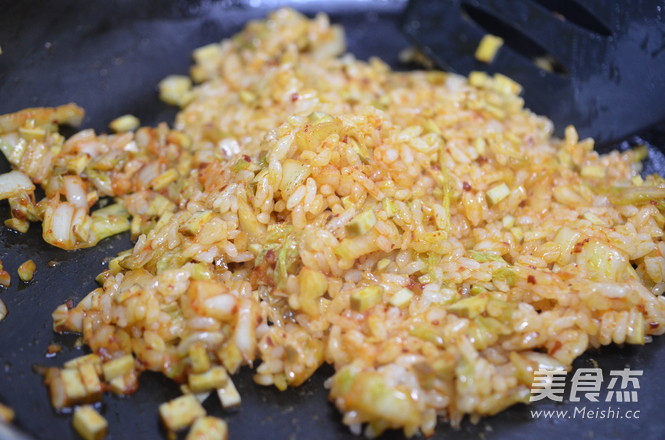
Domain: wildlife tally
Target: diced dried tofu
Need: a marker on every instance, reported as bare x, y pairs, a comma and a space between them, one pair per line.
89, 423
201, 397
198, 356
125, 384
56, 388
230, 357
488, 48
209, 428
74, 388
216, 377
91, 382
181, 412
229, 395
118, 367
91, 359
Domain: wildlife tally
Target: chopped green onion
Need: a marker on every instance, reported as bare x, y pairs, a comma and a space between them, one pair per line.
401, 298
366, 298
361, 223
498, 193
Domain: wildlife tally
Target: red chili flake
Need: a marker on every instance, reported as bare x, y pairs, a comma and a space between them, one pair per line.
579, 245
52, 350
481, 159
413, 284
555, 348
466, 186
70, 304
295, 97
247, 158
531, 279
18, 214
654, 325
270, 257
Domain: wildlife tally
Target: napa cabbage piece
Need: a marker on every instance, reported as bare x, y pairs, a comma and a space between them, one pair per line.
636, 195
484, 257
294, 174
13, 183
313, 285
602, 261
361, 223
69, 114
319, 127
382, 404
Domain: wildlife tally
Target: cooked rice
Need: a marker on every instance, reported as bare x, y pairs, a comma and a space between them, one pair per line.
506, 250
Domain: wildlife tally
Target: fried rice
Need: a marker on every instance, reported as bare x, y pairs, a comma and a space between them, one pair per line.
420, 231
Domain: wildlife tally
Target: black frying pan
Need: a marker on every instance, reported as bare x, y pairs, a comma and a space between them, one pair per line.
108, 57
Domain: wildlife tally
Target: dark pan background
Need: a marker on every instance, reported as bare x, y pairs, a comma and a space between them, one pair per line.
108, 57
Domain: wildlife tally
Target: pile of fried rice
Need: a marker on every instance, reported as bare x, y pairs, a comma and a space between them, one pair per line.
420, 231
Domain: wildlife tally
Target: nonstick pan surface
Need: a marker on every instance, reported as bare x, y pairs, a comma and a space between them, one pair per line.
108, 57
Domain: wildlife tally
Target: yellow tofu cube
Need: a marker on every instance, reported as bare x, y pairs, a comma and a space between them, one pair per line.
198, 356
118, 367
216, 377
230, 357
125, 384
181, 412
74, 388
488, 48
229, 395
91, 382
89, 423
86, 359
209, 428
